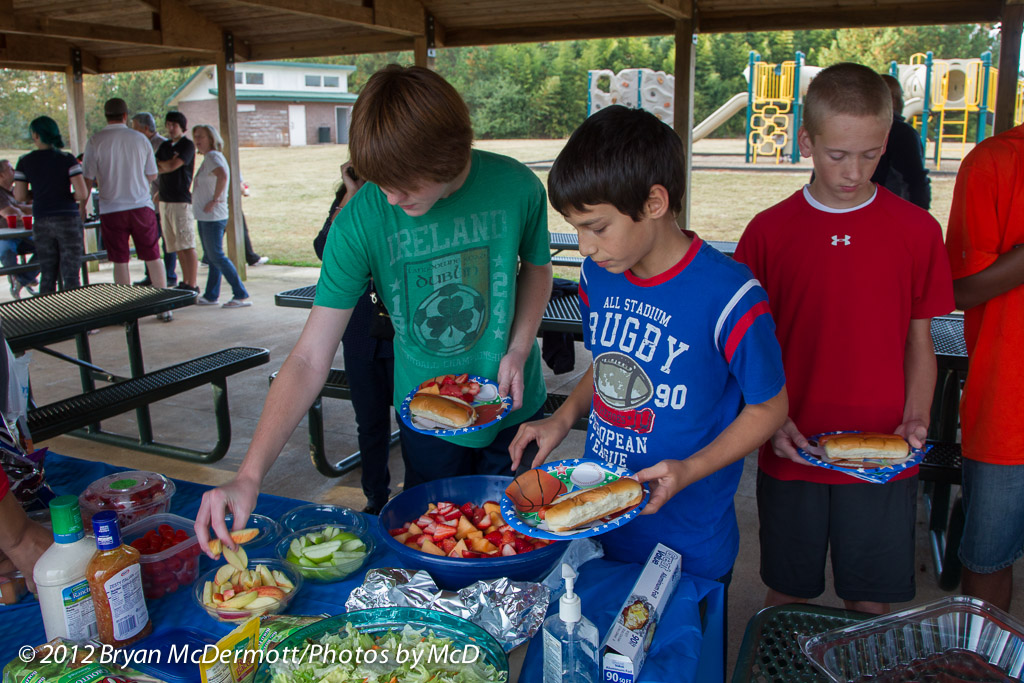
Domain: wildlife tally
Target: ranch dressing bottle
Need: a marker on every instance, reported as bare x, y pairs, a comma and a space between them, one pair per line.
115, 579
63, 590
570, 640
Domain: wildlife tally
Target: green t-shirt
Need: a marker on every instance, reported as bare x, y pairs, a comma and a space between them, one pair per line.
448, 277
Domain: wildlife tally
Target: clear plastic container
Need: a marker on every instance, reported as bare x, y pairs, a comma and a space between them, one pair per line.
315, 514
170, 569
240, 614
954, 638
133, 495
329, 571
269, 530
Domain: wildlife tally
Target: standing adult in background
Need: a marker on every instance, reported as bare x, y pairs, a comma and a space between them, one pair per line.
175, 159
11, 249
146, 124
210, 207
985, 243
56, 213
121, 161
901, 169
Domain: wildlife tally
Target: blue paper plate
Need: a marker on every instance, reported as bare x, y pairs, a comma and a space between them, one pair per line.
576, 475
504, 407
873, 475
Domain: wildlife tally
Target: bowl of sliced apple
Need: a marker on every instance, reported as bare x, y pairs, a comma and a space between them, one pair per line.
326, 552
239, 589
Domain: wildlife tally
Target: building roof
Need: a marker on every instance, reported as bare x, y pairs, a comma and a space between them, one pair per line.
305, 65
131, 35
291, 96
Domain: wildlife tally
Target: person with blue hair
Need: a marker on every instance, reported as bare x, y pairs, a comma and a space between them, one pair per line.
57, 214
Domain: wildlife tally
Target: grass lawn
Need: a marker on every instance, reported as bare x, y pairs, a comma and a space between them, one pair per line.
292, 189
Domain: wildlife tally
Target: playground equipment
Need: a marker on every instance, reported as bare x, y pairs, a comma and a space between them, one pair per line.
953, 90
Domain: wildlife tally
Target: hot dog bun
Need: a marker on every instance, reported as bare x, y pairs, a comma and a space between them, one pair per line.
593, 504
865, 446
444, 410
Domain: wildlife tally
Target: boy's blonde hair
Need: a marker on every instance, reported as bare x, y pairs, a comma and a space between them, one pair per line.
409, 125
846, 88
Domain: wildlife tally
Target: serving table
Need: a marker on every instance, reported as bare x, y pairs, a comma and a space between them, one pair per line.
679, 651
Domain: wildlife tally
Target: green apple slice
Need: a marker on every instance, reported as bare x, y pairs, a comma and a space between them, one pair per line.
322, 551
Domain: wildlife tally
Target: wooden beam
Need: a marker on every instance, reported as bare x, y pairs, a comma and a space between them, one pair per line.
391, 16
228, 107
686, 60
34, 25
182, 27
159, 60
1009, 66
77, 134
341, 45
21, 52
938, 12
627, 26
676, 9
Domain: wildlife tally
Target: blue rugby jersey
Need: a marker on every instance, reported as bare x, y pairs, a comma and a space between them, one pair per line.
675, 358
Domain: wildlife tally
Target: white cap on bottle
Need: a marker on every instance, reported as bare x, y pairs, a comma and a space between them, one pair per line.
569, 604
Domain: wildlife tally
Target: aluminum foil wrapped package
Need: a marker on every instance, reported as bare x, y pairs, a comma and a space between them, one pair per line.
511, 611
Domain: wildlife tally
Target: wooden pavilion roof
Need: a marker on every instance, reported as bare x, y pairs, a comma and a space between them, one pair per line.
129, 35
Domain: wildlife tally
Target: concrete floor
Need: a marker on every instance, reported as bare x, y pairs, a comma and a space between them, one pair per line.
186, 419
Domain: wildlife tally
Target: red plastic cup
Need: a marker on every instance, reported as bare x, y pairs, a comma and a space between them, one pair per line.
12, 221
27, 221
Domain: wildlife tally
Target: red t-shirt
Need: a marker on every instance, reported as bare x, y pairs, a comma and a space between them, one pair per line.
5, 484
986, 220
843, 286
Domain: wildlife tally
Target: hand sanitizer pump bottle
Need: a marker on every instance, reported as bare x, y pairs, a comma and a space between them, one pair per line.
570, 640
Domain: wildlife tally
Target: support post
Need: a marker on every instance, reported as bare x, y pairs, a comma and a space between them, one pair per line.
228, 107
751, 59
77, 134
425, 47
927, 106
1009, 65
797, 107
986, 75
686, 58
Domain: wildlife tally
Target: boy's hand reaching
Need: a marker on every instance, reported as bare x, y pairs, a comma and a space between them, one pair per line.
547, 434
787, 440
915, 431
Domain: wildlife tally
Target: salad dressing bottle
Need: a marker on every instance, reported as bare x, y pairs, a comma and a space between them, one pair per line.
59, 574
570, 640
115, 579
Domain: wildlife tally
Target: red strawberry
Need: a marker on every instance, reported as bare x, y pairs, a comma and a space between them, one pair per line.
442, 532
468, 509
447, 545
507, 538
522, 545
395, 532
471, 555
430, 528
452, 514
418, 540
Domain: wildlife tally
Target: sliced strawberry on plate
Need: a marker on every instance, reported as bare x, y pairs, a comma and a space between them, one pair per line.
442, 532
471, 554
468, 509
522, 545
396, 532
494, 537
462, 378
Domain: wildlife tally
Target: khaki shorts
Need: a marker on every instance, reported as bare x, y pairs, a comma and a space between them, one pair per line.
178, 226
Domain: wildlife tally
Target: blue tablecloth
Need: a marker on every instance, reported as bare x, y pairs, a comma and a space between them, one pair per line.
679, 651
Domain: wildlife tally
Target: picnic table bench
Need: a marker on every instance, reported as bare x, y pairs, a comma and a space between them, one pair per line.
40, 321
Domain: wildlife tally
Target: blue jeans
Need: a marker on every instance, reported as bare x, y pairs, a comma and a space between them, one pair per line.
9, 252
211, 234
993, 516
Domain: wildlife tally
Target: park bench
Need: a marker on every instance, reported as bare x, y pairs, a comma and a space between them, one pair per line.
81, 414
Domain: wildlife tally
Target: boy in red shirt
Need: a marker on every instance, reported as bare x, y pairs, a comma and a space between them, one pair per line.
986, 227
854, 275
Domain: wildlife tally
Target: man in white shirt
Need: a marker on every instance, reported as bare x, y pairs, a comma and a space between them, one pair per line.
120, 161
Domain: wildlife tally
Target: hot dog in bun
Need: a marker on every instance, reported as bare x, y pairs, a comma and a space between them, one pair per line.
593, 504
446, 411
864, 446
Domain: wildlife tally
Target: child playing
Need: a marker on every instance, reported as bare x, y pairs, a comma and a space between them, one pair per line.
854, 275
687, 375
442, 229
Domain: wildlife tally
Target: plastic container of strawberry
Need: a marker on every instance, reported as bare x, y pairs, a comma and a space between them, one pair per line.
133, 495
170, 553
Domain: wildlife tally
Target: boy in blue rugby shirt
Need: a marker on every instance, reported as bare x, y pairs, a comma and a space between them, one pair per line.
687, 375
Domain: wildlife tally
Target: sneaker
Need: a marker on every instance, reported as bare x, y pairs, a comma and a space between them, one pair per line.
16, 290
165, 317
144, 282
260, 261
187, 288
203, 301
238, 303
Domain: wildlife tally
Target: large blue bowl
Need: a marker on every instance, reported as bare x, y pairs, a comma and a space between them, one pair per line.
454, 573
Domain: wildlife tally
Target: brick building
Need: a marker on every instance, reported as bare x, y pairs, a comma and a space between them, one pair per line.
280, 104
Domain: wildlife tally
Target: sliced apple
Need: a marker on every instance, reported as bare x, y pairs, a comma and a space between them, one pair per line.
236, 558
208, 593
244, 535
282, 580
263, 602
271, 592
228, 594
224, 574
240, 600
265, 576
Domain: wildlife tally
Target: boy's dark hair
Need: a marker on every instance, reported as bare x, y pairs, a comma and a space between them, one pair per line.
409, 125
178, 118
846, 88
615, 157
